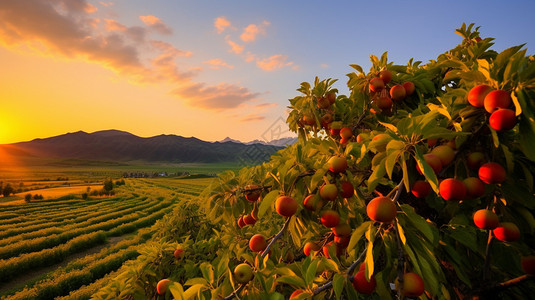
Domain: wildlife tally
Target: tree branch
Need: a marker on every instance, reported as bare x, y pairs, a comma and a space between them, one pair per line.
276, 237
236, 291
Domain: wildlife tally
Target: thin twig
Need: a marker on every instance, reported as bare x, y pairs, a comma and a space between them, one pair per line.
401, 254
236, 292
276, 237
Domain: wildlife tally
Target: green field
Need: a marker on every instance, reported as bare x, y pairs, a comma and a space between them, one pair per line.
65, 244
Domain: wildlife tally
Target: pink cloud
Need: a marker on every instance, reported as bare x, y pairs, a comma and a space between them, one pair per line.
274, 62
252, 118
218, 63
106, 4
156, 24
252, 30
221, 23
218, 97
234, 47
112, 25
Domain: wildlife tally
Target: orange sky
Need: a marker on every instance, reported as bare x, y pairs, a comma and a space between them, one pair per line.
214, 70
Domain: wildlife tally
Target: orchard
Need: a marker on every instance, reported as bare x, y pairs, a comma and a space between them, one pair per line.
417, 184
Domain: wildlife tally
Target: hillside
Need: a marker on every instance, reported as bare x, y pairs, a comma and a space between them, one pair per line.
114, 145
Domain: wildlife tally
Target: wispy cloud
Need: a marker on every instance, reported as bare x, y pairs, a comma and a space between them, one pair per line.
156, 24
72, 32
221, 23
218, 63
252, 30
252, 118
274, 62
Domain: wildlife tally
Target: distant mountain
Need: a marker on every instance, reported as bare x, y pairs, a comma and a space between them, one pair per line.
283, 142
121, 146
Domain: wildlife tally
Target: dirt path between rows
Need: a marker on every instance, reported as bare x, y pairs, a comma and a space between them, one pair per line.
19, 282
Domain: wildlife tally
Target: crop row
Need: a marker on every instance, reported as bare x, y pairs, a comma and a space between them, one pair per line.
101, 223
77, 217
63, 283
50, 256
86, 291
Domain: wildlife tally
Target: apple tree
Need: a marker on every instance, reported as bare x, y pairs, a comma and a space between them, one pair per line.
419, 183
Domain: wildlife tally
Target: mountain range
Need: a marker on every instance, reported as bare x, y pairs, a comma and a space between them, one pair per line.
121, 146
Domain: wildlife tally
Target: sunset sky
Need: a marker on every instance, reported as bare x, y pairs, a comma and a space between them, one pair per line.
210, 69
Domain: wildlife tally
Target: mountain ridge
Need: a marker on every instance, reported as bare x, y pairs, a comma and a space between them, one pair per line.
122, 146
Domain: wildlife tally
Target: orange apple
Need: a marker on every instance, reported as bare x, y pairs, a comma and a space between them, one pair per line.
381, 209
252, 192
452, 189
384, 103
474, 160
331, 97
409, 88
329, 192
397, 92
475, 188
310, 247
445, 153
249, 220
342, 230
346, 133
286, 206
258, 243
497, 99
241, 223
179, 253
433, 161
507, 232
476, 96
376, 84
342, 241
486, 219
382, 140
337, 164
162, 285
385, 75
413, 285
492, 173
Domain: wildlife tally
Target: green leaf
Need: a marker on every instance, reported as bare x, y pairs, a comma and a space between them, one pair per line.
338, 285
428, 172
419, 223
358, 233
391, 160
311, 272
295, 281
401, 234
176, 290
194, 281
267, 202
191, 292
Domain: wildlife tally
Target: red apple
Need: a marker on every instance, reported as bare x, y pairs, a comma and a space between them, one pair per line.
330, 218
376, 84
486, 219
323, 103
476, 96
497, 99
492, 173
475, 188
309, 202
310, 247
252, 192
347, 189
331, 97
286, 206
397, 92
249, 220
334, 131
258, 243
241, 223
381, 209
452, 189
413, 285
384, 103
507, 232
386, 76
503, 119
409, 88
337, 164
342, 241
421, 188
162, 285
362, 285
528, 264
308, 119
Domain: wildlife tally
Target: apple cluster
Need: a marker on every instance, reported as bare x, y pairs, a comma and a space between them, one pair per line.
498, 103
384, 94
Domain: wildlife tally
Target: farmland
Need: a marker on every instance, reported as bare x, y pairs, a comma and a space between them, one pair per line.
51, 247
